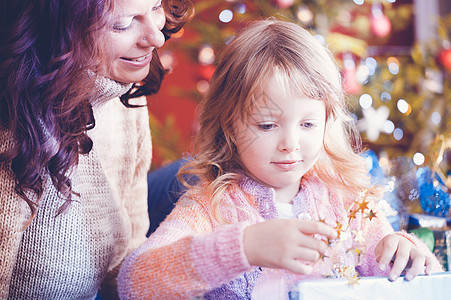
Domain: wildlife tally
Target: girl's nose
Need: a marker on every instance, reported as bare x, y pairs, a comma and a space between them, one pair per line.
289, 142
152, 35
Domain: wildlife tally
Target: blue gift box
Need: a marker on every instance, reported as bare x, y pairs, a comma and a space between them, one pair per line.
436, 286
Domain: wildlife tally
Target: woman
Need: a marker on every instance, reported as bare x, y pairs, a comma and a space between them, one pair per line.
74, 139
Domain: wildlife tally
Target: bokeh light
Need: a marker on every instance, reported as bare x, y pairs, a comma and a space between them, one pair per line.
389, 127
403, 106
167, 60
362, 73
240, 8
226, 16
436, 118
393, 65
206, 55
398, 134
365, 101
418, 159
388, 85
304, 15
385, 97
202, 86
371, 64
393, 68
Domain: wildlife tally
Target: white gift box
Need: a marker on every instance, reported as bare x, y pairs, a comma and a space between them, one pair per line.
434, 287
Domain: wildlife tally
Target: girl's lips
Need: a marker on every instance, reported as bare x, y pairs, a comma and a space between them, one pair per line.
286, 164
138, 61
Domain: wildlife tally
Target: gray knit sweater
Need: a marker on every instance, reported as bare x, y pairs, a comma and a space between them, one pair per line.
69, 256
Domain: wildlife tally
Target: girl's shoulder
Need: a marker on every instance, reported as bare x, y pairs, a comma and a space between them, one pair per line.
199, 195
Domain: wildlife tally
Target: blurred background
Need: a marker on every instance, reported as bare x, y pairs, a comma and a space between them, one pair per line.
395, 57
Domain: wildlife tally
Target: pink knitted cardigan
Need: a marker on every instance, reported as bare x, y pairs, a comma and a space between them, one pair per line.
190, 254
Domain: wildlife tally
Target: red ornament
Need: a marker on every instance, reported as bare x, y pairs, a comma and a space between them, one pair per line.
284, 3
380, 25
445, 58
350, 84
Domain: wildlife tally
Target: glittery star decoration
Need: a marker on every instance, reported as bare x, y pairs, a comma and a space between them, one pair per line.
353, 280
339, 229
371, 215
322, 221
373, 121
352, 214
348, 243
363, 205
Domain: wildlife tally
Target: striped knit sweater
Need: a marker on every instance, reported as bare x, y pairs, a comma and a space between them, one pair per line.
70, 255
190, 254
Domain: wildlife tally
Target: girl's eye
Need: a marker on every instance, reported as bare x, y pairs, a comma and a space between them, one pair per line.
308, 125
266, 127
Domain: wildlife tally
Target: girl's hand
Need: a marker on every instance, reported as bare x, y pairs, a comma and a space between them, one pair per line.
405, 254
286, 244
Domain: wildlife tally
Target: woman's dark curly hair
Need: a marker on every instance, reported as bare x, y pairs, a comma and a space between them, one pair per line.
46, 50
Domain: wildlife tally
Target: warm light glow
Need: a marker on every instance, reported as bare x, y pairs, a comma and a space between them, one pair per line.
404, 107
178, 34
206, 55
202, 86
304, 15
383, 162
167, 60
379, 23
392, 59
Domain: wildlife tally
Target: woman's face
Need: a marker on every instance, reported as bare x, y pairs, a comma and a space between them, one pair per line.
135, 33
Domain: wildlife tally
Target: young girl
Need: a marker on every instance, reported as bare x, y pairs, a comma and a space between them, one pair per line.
278, 177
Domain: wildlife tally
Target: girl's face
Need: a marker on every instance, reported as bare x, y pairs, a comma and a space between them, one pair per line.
136, 31
282, 139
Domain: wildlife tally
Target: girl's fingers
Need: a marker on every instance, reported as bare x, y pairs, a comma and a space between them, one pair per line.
385, 250
431, 265
401, 260
298, 267
418, 262
307, 255
310, 242
314, 227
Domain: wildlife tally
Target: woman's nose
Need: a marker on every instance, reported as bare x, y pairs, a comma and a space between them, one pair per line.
152, 35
